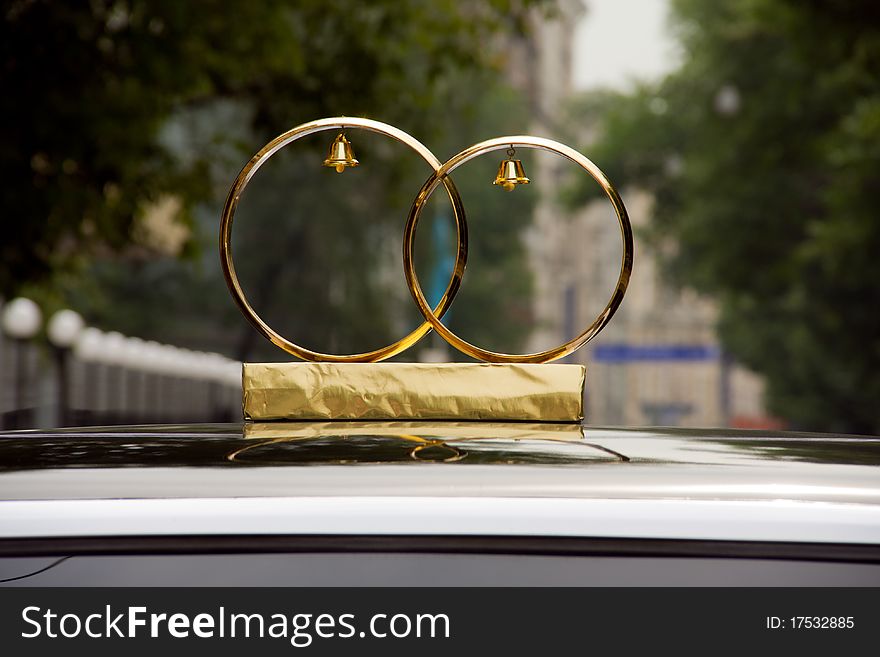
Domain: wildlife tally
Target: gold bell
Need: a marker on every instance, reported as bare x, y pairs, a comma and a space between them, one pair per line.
510, 172
340, 154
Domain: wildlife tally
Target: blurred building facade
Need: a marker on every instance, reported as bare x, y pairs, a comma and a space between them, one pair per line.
659, 362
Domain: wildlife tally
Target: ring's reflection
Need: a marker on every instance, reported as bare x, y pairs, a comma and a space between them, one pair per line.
328, 443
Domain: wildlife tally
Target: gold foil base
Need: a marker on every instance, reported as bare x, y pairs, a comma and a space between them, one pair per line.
413, 391
416, 430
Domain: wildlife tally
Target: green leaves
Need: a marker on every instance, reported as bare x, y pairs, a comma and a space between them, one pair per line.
88, 87
112, 109
773, 201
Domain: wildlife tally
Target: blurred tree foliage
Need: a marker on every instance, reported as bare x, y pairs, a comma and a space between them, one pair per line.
118, 114
763, 152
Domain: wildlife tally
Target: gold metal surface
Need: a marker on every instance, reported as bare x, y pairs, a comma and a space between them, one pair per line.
510, 172
341, 154
441, 174
251, 168
413, 391
425, 430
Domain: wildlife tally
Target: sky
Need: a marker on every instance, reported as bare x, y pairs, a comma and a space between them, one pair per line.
619, 40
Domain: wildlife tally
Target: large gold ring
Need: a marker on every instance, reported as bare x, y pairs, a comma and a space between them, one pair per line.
440, 175
248, 172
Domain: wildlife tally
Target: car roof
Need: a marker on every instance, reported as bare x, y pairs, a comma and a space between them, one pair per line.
445, 458
439, 479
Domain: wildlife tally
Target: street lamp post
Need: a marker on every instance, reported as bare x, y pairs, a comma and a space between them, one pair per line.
152, 355
133, 360
21, 322
63, 330
112, 355
88, 349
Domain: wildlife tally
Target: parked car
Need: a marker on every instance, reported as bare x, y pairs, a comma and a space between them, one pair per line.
410, 503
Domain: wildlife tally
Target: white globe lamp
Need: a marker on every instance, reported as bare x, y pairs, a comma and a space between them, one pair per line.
64, 328
21, 319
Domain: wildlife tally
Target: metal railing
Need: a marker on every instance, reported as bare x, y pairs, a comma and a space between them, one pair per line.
72, 375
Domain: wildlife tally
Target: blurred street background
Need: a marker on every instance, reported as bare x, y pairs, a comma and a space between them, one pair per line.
744, 136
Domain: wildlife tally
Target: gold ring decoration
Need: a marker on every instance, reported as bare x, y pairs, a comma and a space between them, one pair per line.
238, 187
441, 175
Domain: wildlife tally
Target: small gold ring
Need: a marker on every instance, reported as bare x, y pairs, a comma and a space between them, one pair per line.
440, 175
232, 203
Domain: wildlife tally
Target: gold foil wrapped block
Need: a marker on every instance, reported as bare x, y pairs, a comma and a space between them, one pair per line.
413, 391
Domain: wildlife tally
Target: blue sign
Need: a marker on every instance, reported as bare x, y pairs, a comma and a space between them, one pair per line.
444, 254
628, 353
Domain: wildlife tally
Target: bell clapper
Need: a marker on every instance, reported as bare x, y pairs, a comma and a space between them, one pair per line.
509, 186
